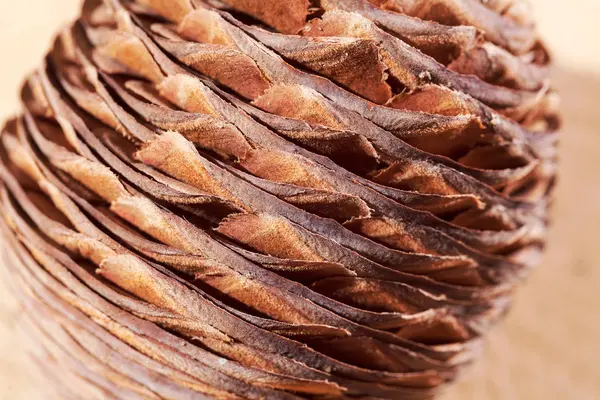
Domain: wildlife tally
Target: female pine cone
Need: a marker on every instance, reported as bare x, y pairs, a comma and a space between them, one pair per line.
276, 198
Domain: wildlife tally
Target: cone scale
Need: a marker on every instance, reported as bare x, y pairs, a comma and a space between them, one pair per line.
247, 199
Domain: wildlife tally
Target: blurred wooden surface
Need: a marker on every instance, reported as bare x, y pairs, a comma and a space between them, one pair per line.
547, 348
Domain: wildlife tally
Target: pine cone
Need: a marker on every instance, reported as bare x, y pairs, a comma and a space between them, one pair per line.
276, 198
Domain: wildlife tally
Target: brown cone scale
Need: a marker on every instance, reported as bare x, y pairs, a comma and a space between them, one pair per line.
246, 199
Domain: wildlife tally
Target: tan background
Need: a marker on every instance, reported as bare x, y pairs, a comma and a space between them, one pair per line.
548, 347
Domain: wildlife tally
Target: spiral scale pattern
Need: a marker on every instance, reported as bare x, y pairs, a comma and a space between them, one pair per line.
252, 199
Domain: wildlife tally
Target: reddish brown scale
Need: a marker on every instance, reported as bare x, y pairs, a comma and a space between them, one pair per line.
252, 199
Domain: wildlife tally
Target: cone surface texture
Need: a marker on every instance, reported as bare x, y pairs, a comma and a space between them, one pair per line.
275, 199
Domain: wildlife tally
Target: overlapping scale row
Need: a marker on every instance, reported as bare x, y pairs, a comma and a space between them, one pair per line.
243, 199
